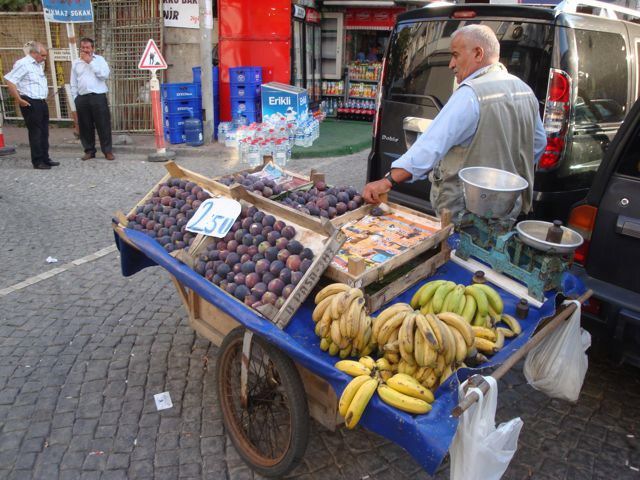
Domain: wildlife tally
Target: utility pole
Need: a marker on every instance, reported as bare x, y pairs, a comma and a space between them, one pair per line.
206, 62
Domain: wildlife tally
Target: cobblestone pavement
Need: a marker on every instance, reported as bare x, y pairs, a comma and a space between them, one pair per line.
83, 353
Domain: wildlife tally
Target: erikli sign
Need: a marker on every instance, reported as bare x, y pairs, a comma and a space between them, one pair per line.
68, 11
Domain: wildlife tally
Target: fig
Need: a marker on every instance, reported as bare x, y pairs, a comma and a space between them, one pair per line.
275, 286
295, 247
286, 291
306, 253
283, 255
275, 267
304, 265
251, 279
288, 232
248, 267
269, 297
294, 262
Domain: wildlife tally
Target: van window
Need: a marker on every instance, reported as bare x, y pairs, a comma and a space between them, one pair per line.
602, 78
418, 61
629, 164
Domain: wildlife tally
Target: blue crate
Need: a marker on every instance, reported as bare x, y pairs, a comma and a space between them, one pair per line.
241, 106
197, 73
175, 135
245, 90
192, 105
245, 74
175, 120
180, 91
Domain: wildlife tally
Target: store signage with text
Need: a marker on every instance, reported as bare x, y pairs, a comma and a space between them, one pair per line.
64, 11
181, 13
374, 18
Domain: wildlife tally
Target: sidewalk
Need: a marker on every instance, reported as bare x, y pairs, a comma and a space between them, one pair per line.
337, 138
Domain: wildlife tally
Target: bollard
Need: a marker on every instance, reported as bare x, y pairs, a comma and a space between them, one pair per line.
162, 154
4, 149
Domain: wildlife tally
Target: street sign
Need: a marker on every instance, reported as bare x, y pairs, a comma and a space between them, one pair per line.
64, 11
152, 58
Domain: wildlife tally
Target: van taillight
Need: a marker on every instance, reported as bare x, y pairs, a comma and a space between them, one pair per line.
464, 14
556, 117
583, 220
377, 118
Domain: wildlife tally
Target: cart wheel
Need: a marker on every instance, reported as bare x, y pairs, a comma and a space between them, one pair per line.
272, 431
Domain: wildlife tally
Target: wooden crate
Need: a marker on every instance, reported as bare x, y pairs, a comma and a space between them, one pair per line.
323, 240
213, 324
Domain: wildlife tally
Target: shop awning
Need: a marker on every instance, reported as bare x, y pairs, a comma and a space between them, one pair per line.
371, 18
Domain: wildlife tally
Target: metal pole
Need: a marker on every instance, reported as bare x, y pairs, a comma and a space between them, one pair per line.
206, 64
73, 51
162, 154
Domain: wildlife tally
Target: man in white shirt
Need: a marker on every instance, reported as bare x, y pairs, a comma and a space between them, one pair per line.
89, 74
27, 84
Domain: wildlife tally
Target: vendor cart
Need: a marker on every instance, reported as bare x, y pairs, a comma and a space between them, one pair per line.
271, 379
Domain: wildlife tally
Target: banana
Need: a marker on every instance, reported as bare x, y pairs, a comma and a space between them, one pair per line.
419, 348
425, 308
336, 336
342, 323
330, 290
484, 332
408, 385
352, 367
401, 401
364, 323
349, 297
448, 300
438, 368
429, 290
493, 297
368, 349
424, 325
392, 347
317, 329
336, 303
494, 317
368, 362
405, 334
349, 392
406, 367
482, 303
432, 322
507, 332
406, 356
460, 324
324, 344
512, 323
454, 299
320, 308
390, 326
486, 346
438, 298
469, 308
360, 402
499, 340
386, 315
353, 316
461, 346
461, 304
449, 351
345, 352
446, 374
429, 379
383, 364
334, 349
392, 357
385, 374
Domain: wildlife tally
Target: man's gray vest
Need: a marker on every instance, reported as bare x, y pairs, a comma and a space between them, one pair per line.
504, 138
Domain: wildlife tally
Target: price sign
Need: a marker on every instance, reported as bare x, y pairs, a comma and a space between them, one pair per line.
214, 217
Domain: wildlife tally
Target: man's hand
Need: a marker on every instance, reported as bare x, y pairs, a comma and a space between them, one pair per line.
85, 57
23, 103
373, 190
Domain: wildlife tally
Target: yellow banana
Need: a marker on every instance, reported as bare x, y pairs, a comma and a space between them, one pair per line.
429, 379
345, 352
336, 336
353, 316
406, 356
392, 357
425, 326
484, 332
390, 326
392, 347
499, 340
320, 308
352, 367
461, 346
429, 290
494, 317
408, 385
446, 373
482, 303
460, 324
438, 368
349, 297
449, 351
324, 344
419, 348
336, 301
334, 349
368, 362
512, 323
432, 322
507, 332
401, 401
385, 375
425, 308
492, 296
438, 298
469, 308
386, 314
360, 402
405, 334
486, 346
383, 364
349, 392
330, 290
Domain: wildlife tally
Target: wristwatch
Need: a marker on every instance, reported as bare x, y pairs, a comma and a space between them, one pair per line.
391, 180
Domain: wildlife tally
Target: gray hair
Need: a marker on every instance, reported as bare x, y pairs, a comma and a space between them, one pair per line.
32, 47
481, 36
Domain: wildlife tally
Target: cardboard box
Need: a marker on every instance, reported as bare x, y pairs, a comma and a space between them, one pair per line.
281, 101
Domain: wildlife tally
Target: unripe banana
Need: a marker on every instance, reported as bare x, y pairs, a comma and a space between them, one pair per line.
484, 332
455, 298
345, 352
494, 317
352, 367
320, 308
448, 300
460, 324
512, 323
349, 392
429, 291
438, 298
493, 297
461, 304
482, 303
469, 308
368, 362
330, 290
410, 386
334, 349
401, 401
324, 344
359, 403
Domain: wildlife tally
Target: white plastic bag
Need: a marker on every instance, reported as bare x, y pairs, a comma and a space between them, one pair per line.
479, 450
558, 364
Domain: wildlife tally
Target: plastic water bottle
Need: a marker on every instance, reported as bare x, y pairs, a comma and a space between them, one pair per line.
223, 127
230, 139
280, 153
253, 154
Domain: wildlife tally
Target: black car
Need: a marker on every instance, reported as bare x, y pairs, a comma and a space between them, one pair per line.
580, 64
609, 221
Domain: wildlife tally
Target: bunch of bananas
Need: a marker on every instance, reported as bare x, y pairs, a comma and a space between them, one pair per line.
342, 322
398, 390
424, 346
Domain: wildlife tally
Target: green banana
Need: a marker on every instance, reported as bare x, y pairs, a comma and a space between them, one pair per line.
437, 302
424, 293
493, 297
482, 303
469, 308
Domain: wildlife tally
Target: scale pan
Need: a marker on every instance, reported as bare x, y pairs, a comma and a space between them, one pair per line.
534, 232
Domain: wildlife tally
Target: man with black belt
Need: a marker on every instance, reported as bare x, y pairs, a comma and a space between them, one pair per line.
89, 74
27, 84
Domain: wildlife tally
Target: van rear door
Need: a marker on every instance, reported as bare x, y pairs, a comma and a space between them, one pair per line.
418, 82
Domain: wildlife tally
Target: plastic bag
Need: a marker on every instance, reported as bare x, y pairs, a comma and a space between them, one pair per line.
558, 364
479, 450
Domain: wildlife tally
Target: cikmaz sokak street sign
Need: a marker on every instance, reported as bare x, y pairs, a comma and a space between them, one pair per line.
68, 11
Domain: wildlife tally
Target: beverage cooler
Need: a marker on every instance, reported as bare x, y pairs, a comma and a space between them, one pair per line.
305, 52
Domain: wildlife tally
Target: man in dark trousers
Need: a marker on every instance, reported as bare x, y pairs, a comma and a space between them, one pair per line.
89, 74
27, 84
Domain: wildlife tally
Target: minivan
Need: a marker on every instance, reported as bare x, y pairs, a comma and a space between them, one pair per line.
579, 58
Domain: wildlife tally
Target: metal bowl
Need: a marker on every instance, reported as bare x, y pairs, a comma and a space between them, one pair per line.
534, 232
490, 192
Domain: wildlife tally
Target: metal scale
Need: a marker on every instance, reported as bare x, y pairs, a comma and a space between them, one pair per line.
486, 233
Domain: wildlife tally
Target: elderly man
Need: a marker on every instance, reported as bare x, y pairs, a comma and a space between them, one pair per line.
491, 120
27, 84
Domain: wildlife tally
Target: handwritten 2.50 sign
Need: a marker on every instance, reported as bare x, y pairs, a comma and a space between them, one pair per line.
214, 217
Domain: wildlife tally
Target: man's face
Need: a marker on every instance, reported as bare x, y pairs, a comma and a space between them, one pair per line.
85, 47
40, 56
464, 59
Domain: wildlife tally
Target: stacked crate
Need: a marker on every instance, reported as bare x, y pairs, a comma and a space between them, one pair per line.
180, 101
197, 73
245, 84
